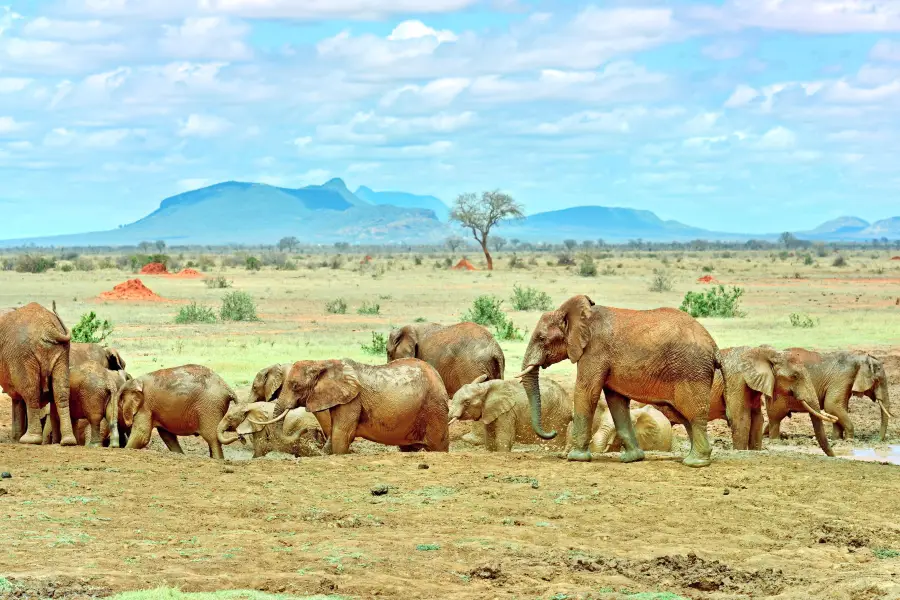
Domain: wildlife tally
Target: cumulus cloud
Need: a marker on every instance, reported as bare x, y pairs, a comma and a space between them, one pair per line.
413, 30
203, 126
10, 85
886, 50
807, 16
10, 125
205, 38
778, 138
72, 31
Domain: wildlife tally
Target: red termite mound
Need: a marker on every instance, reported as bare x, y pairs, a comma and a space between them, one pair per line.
464, 265
366, 260
707, 279
896, 258
188, 274
154, 269
133, 289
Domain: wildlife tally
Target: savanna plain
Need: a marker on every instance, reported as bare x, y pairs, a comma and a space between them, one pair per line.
787, 522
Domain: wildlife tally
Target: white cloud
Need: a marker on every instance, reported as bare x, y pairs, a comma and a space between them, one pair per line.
9, 85
886, 50
702, 123
59, 137
10, 125
106, 139
302, 142
845, 93
778, 138
7, 19
203, 126
52, 56
807, 16
73, 31
205, 38
742, 95
436, 93
413, 30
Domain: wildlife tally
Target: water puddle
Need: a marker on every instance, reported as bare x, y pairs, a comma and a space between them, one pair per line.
890, 455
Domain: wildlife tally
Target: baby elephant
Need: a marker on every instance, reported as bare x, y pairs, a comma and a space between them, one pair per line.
502, 406
186, 400
301, 436
652, 428
403, 403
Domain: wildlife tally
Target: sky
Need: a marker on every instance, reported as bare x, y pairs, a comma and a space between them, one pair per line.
734, 115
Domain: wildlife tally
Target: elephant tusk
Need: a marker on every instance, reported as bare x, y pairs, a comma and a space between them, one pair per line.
885, 410
525, 372
452, 421
821, 414
275, 420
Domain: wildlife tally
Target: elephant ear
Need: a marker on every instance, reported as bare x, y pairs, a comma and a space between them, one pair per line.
274, 382
134, 397
499, 399
865, 375
335, 385
576, 313
114, 360
758, 370
259, 412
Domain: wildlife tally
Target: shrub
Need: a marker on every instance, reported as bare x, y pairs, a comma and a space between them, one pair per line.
84, 264
608, 270
448, 262
66, 268
369, 309
378, 345
238, 306
588, 267
218, 282
486, 311
91, 330
808, 260
194, 313
839, 261
565, 260
8, 264
287, 265
336, 307
206, 263
28, 263
802, 321
715, 302
515, 262
530, 299
508, 331
252, 263
707, 268
661, 282
417, 260
336, 262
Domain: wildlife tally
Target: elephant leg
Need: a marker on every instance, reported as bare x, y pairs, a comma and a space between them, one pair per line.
697, 415
47, 436
123, 437
619, 408
741, 416
344, 419
61, 403
587, 395
756, 428
215, 447
19, 418
96, 438
55, 426
476, 436
437, 436
843, 429
141, 430
821, 437
503, 432
170, 440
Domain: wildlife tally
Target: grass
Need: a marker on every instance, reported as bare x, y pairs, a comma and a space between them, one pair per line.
530, 298
369, 309
802, 321
336, 307
174, 594
238, 306
194, 313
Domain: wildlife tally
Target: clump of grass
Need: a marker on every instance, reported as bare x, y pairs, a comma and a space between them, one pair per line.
802, 321
428, 547
884, 553
565, 260
252, 263
715, 302
218, 282
486, 311
530, 298
369, 309
91, 330
707, 268
238, 306
336, 307
808, 260
516, 263
588, 267
839, 261
662, 281
194, 313
508, 331
377, 346
66, 268
608, 270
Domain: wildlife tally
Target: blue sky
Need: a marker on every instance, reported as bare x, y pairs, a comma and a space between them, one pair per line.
734, 115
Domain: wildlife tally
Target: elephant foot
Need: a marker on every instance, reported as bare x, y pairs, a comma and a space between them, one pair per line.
471, 438
630, 456
68, 440
579, 455
696, 461
32, 439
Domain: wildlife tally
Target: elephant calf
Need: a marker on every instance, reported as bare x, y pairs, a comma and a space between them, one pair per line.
651, 427
503, 408
93, 390
301, 435
186, 400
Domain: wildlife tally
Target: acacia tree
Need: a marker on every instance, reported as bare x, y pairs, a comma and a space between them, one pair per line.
288, 243
498, 243
454, 242
480, 215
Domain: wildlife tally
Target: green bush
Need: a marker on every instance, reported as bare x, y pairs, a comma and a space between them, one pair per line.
417, 260
378, 345
337, 307
661, 282
66, 268
715, 302
588, 267
839, 261
565, 260
194, 313
238, 306
530, 299
91, 330
369, 309
218, 282
252, 263
486, 311
808, 260
29, 263
138, 261
508, 331
802, 321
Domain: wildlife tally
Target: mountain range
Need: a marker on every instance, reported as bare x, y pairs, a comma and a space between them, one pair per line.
235, 212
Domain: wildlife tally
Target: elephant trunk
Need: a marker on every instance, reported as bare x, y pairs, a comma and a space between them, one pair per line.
603, 439
884, 404
531, 382
226, 437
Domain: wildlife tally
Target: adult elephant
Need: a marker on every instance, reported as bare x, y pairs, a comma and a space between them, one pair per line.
301, 434
660, 356
34, 360
268, 382
461, 353
186, 400
652, 430
836, 376
92, 400
403, 403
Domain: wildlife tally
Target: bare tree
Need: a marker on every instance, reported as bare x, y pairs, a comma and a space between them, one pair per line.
480, 215
498, 242
454, 243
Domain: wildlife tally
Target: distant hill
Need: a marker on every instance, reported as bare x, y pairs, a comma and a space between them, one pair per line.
889, 228
404, 200
836, 228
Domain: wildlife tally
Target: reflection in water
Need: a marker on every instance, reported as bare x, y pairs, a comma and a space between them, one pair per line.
891, 455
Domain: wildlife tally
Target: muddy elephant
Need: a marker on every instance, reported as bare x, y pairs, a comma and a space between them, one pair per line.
92, 403
461, 353
651, 427
110, 358
836, 376
186, 400
403, 403
301, 436
660, 356
502, 407
267, 384
34, 368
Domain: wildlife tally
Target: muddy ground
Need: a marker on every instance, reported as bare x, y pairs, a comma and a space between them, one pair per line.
785, 523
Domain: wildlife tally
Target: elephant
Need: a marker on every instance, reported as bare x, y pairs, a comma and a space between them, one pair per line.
34, 369
836, 376
81, 353
186, 400
652, 430
92, 402
301, 435
502, 407
659, 356
403, 403
461, 353
267, 383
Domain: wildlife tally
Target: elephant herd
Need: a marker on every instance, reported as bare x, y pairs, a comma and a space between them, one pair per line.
663, 359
